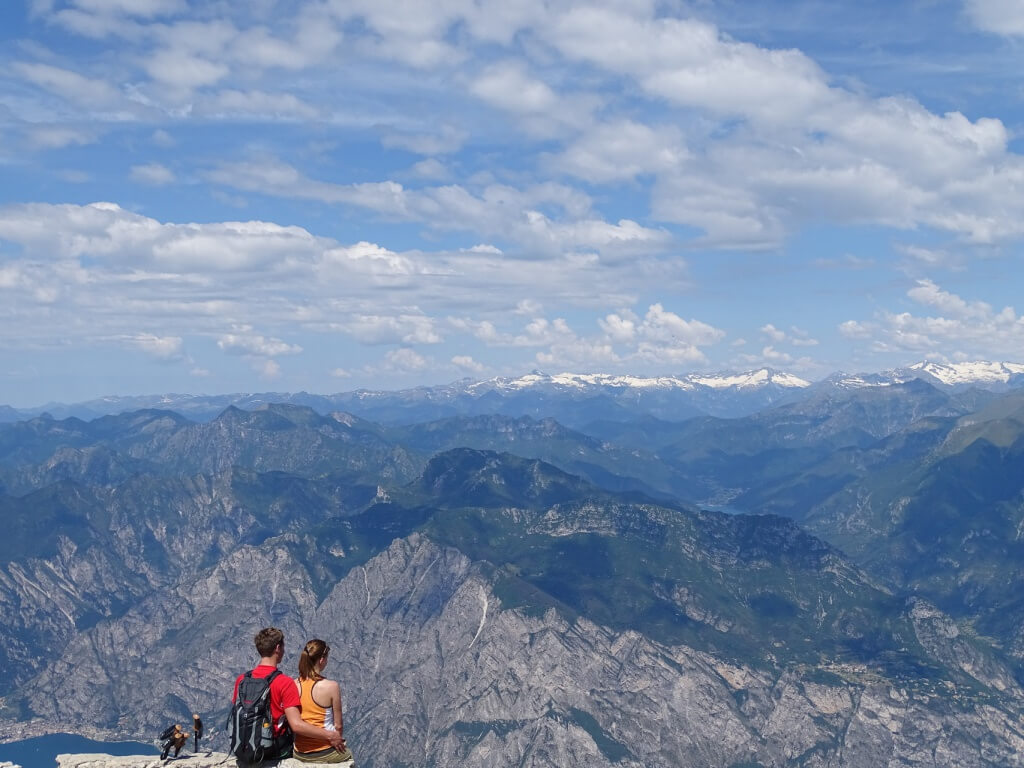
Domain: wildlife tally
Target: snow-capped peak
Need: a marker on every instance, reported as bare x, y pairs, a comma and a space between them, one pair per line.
953, 374
749, 380
584, 381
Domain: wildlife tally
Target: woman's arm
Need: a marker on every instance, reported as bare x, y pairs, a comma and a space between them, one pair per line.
301, 727
335, 693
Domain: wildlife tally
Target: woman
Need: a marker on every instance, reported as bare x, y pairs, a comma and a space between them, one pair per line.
321, 706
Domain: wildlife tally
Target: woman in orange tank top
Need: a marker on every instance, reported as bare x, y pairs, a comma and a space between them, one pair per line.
321, 706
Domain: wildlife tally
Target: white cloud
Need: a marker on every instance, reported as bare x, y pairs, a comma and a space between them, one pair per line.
81, 90
929, 294
538, 332
749, 142
183, 71
622, 150
661, 325
340, 373
773, 333
431, 168
467, 363
621, 328
497, 209
1002, 17
405, 359
963, 329
508, 86
854, 329
483, 248
254, 344
145, 8
391, 329
446, 140
152, 173
58, 136
255, 105
161, 347
268, 369
162, 138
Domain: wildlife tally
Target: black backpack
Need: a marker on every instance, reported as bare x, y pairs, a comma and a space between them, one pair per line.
250, 725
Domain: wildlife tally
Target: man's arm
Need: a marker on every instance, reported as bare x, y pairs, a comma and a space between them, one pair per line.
301, 727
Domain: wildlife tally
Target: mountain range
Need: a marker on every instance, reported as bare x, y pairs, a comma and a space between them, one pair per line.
831, 579
573, 399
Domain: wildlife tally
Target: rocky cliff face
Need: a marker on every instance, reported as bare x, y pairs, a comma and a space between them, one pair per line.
436, 670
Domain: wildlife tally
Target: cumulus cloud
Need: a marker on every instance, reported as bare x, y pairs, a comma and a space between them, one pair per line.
798, 337
497, 209
184, 71
467, 363
508, 86
621, 328
661, 338
405, 359
161, 347
929, 294
268, 369
431, 168
74, 87
1002, 17
162, 138
254, 344
622, 150
960, 329
757, 141
391, 329
59, 136
144, 8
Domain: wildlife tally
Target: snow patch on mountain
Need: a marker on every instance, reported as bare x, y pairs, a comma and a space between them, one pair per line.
955, 374
980, 373
587, 381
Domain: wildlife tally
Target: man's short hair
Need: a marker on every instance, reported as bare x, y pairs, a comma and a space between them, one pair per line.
267, 639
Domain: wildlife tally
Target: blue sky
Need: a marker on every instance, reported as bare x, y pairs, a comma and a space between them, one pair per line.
325, 195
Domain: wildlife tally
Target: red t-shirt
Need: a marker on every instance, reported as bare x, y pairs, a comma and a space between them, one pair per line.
283, 693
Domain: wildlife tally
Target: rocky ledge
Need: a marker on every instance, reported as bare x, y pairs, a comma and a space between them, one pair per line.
201, 760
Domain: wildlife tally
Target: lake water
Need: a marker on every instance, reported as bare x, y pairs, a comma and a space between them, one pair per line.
42, 751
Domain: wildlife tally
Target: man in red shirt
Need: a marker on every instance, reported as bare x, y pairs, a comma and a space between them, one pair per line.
285, 707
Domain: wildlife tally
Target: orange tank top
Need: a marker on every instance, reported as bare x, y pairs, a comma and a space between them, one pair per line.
314, 714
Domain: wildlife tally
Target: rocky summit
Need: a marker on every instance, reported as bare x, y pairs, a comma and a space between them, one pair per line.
201, 760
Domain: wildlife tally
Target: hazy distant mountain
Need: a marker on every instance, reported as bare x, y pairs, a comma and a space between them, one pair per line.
981, 374
575, 400
272, 437
732, 462
945, 522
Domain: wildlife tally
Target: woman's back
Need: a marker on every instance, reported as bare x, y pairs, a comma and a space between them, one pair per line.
319, 713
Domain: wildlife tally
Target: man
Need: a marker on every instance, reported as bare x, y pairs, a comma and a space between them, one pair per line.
197, 729
173, 737
284, 695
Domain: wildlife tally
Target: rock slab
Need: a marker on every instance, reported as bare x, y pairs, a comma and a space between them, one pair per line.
201, 760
